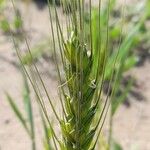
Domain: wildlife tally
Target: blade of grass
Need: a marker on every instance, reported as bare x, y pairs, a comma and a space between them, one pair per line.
28, 106
18, 113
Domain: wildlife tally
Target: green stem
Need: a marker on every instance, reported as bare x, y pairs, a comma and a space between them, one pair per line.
33, 144
110, 129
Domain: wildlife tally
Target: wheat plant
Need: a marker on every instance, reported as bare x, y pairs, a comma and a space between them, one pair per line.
84, 70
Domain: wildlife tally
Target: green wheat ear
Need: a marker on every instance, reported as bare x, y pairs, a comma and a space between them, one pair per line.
84, 69
81, 102
73, 101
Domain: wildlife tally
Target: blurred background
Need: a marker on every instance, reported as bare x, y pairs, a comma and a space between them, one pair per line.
131, 122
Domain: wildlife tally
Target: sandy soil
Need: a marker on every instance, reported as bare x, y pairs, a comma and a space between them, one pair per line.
132, 124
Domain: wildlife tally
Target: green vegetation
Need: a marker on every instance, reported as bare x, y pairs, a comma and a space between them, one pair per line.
89, 59
6, 25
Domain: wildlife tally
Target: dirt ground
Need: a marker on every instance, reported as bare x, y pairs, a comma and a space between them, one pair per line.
131, 124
